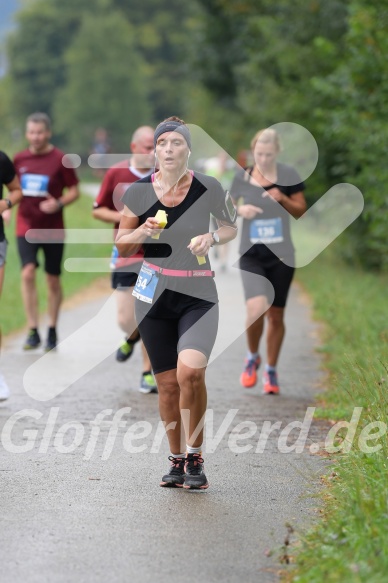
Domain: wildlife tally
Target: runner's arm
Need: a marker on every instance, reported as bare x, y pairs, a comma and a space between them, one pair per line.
131, 235
248, 211
226, 232
295, 204
15, 195
104, 207
52, 205
107, 215
71, 194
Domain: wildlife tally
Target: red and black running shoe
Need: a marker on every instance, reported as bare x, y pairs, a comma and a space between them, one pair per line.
176, 475
195, 478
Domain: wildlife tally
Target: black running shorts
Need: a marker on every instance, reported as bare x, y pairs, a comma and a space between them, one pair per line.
174, 323
122, 280
53, 253
272, 269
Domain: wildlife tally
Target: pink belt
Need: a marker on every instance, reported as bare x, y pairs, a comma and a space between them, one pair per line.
180, 272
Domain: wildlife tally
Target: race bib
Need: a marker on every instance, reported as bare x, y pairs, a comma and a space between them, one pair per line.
266, 231
114, 257
34, 184
146, 283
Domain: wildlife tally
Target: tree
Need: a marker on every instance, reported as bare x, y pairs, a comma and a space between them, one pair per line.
160, 34
105, 83
165, 34
257, 59
355, 98
35, 53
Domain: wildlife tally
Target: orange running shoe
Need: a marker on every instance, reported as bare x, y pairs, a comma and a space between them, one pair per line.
270, 383
248, 377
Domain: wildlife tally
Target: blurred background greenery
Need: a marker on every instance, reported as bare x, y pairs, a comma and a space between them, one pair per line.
229, 66
232, 67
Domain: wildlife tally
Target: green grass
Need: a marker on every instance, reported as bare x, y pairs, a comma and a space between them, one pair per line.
87, 174
350, 543
78, 215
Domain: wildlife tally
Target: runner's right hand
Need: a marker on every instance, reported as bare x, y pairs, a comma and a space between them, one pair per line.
150, 227
249, 211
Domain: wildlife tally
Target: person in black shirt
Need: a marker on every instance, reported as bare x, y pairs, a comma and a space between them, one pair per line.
267, 193
177, 305
9, 178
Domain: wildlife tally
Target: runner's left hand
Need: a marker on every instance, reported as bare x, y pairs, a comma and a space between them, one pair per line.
201, 245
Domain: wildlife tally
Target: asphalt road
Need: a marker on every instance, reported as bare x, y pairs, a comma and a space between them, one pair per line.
80, 495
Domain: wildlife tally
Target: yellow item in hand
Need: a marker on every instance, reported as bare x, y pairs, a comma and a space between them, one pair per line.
200, 258
161, 217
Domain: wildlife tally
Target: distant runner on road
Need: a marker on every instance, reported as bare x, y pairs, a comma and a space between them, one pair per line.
107, 207
48, 186
266, 249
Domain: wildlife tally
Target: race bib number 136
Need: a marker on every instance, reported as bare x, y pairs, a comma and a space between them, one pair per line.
267, 231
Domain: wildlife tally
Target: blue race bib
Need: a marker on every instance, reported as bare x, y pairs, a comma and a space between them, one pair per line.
34, 184
267, 231
114, 257
146, 283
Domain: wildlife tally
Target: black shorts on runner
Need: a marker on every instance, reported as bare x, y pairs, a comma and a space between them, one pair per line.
53, 253
186, 323
274, 270
121, 280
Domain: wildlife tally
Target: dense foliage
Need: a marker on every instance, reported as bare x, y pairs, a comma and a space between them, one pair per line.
230, 66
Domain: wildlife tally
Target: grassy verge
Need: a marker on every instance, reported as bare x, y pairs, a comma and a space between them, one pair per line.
350, 543
87, 174
77, 215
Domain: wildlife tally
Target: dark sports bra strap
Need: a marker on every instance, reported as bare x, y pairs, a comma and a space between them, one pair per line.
248, 174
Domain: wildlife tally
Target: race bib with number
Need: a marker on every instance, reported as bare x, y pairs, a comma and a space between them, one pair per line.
266, 231
146, 285
34, 184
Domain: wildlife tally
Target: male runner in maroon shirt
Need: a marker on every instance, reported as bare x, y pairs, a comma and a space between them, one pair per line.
43, 178
107, 208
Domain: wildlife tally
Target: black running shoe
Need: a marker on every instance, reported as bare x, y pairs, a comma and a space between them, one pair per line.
51, 341
125, 351
195, 478
176, 475
32, 340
